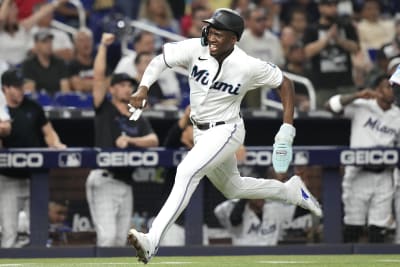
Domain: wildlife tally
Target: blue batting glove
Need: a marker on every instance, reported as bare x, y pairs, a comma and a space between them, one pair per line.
282, 149
281, 157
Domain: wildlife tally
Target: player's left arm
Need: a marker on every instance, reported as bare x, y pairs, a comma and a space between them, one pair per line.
286, 93
282, 149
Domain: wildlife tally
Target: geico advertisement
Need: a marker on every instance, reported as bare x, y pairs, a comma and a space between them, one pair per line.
371, 157
121, 159
21, 160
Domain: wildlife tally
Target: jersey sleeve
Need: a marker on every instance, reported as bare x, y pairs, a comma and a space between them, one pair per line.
179, 53
351, 109
266, 74
222, 211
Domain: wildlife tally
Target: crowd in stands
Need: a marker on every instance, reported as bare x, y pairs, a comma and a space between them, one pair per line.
341, 46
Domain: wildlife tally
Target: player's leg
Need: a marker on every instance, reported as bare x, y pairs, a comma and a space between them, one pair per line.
212, 147
356, 192
397, 213
124, 215
100, 193
380, 210
227, 179
9, 199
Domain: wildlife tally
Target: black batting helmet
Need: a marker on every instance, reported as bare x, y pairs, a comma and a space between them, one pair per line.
227, 19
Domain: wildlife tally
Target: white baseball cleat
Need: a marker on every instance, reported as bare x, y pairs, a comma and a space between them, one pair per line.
301, 196
141, 243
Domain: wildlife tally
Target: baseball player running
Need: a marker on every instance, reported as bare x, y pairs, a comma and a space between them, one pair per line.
220, 74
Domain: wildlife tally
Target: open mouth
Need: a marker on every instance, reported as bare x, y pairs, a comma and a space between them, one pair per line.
213, 48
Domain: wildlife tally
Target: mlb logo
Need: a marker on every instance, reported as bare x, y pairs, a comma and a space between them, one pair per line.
69, 160
301, 158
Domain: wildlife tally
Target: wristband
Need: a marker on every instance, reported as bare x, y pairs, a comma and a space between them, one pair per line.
335, 104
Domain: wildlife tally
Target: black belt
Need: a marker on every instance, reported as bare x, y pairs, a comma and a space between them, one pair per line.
374, 168
206, 126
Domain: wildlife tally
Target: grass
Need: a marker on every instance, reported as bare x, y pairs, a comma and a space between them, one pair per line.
231, 261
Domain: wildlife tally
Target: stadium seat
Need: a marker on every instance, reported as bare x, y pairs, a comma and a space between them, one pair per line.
42, 97
73, 99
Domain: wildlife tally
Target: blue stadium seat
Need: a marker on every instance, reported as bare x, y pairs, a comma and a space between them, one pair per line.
73, 99
42, 97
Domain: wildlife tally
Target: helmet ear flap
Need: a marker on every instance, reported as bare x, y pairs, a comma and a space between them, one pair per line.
204, 34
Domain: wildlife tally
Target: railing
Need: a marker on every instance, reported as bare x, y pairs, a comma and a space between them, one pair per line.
41, 160
82, 19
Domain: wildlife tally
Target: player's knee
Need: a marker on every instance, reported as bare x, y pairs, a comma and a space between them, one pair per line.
352, 233
376, 234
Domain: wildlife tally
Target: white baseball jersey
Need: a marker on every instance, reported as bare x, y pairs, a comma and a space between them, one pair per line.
367, 196
371, 126
216, 91
252, 230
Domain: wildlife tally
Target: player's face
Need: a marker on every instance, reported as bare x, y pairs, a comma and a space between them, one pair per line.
386, 90
220, 42
14, 95
122, 91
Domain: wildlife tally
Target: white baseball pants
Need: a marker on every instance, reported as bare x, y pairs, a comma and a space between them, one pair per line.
110, 204
367, 197
213, 155
14, 196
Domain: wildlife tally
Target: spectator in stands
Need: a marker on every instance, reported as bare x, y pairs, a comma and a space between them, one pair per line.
15, 35
392, 49
186, 20
144, 42
241, 6
298, 22
258, 41
30, 128
368, 190
62, 44
329, 44
109, 191
274, 9
44, 71
198, 15
311, 6
158, 13
296, 64
373, 30
80, 69
156, 96
25, 7
288, 39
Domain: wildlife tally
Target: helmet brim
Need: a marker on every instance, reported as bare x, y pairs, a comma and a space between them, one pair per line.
219, 26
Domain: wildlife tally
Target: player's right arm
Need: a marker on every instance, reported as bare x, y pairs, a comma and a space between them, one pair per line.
100, 81
337, 102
